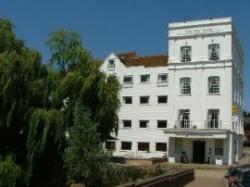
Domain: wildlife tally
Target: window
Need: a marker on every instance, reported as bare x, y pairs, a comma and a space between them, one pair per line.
213, 51
127, 123
143, 124
185, 84
162, 99
128, 79
127, 100
218, 147
144, 99
162, 124
214, 85
162, 78
186, 53
145, 78
184, 118
213, 118
111, 63
161, 147
109, 145
126, 145
143, 146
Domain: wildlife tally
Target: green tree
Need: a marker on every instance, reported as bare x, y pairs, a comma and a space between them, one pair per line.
84, 158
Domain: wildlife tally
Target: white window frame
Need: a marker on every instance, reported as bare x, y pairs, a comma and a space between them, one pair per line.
147, 124
214, 85
184, 118
186, 53
111, 64
147, 76
185, 85
131, 144
165, 96
145, 97
129, 83
214, 51
161, 143
213, 118
162, 121
219, 147
161, 82
127, 120
143, 143
124, 100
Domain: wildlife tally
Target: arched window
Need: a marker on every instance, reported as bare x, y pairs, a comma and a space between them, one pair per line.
214, 85
186, 53
185, 85
213, 51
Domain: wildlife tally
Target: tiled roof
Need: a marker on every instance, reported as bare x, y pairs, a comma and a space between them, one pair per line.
131, 59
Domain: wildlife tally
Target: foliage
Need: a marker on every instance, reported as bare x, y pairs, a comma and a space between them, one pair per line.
10, 172
40, 102
83, 157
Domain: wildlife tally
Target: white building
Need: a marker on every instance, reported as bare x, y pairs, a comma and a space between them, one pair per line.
190, 100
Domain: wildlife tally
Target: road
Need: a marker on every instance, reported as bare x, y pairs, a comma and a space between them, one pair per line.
208, 178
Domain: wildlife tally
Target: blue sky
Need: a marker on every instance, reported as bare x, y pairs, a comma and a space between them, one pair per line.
121, 25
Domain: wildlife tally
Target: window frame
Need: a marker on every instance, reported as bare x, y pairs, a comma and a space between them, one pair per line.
148, 143
146, 121
159, 96
128, 76
185, 86
214, 49
126, 97
111, 65
144, 97
147, 78
158, 121
165, 150
186, 53
126, 120
219, 147
213, 88
124, 142
159, 81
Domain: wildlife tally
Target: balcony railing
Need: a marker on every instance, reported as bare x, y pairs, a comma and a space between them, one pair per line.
213, 124
184, 124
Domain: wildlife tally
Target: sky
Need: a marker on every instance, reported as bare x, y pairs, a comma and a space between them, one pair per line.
121, 25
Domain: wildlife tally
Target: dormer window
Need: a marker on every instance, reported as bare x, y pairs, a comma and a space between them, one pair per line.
186, 53
111, 64
213, 51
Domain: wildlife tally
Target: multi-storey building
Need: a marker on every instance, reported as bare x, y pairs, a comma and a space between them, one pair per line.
188, 101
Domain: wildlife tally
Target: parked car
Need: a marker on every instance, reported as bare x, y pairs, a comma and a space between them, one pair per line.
239, 176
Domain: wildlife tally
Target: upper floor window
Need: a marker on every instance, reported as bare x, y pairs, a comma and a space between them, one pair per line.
185, 85
213, 85
186, 53
162, 124
213, 118
111, 64
213, 51
126, 145
127, 100
163, 99
144, 99
127, 123
162, 78
184, 118
145, 78
143, 123
128, 80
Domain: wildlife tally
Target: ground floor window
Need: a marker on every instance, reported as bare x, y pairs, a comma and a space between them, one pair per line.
161, 146
143, 146
126, 145
218, 148
162, 124
110, 145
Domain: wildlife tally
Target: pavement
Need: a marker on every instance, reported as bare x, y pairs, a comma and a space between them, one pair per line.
214, 177
208, 178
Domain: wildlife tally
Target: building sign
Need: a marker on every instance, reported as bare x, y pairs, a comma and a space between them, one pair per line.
194, 134
199, 31
235, 109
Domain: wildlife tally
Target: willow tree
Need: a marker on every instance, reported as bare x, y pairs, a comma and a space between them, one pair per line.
82, 80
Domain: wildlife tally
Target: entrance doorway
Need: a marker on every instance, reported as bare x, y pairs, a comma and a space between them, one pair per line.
199, 152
